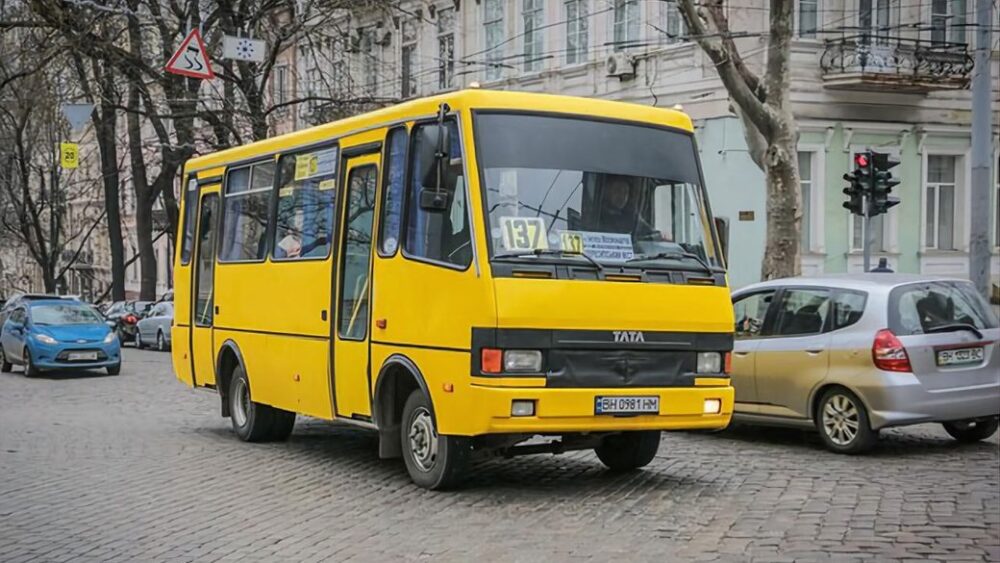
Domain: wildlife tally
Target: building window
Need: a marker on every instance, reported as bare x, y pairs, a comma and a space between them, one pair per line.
280, 84
674, 29
369, 57
446, 47
806, 189
808, 10
247, 206
939, 203
493, 25
408, 54
533, 17
948, 21
626, 23
576, 31
874, 20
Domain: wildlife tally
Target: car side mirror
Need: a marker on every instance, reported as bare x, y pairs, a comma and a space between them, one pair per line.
722, 229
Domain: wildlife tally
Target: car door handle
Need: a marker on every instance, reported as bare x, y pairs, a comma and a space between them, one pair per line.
741, 354
814, 351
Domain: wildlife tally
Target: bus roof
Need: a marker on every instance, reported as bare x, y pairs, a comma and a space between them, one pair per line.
426, 107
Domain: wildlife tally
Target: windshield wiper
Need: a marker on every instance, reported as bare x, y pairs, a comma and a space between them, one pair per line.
550, 252
674, 255
955, 327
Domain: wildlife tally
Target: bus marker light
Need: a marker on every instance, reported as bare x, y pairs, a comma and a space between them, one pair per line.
448, 387
713, 406
381, 323
522, 407
492, 360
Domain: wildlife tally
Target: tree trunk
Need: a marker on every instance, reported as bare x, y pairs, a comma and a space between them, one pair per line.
106, 126
784, 205
143, 205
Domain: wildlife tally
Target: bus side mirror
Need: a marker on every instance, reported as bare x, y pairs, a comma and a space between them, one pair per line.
432, 159
722, 228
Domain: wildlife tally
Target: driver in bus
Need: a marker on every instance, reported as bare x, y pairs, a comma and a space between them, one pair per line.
619, 213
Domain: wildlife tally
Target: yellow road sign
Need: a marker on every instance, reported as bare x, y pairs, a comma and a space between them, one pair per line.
69, 155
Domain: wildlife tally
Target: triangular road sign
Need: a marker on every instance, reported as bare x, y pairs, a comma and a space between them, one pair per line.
77, 114
191, 58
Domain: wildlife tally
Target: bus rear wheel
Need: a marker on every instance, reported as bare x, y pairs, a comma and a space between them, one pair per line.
255, 422
434, 461
628, 450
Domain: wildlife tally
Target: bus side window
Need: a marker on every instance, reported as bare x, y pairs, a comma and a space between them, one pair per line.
392, 202
439, 236
306, 195
245, 217
190, 204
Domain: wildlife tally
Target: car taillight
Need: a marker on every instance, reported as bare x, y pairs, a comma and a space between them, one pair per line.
130, 319
888, 352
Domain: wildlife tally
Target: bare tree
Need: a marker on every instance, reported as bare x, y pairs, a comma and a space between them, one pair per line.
762, 102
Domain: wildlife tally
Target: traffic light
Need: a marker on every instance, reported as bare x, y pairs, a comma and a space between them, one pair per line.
860, 180
882, 183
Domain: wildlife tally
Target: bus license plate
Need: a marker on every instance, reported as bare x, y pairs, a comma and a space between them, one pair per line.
82, 356
960, 356
627, 405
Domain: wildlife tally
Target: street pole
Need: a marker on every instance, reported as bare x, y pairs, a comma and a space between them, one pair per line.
866, 233
54, 217
982, 149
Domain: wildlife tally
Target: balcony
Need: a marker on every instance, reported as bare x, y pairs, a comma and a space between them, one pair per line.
869, 62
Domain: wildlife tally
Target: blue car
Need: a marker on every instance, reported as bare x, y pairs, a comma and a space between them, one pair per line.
58, 334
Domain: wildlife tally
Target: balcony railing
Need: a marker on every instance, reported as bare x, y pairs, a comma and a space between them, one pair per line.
864, 62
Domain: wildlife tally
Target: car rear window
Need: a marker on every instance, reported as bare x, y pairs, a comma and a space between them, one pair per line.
926, 306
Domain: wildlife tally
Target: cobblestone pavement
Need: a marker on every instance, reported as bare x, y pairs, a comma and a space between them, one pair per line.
140, 468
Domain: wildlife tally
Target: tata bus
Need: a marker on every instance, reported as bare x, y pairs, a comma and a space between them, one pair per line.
474, 274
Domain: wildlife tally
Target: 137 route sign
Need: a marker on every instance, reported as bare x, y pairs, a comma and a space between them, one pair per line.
191, 58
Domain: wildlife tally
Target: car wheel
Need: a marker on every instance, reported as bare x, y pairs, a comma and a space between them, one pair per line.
434, 461
115, 369
29, 367
842, 421
628, 450
5, 366
973, 429
255, 422
138, 340
161, 343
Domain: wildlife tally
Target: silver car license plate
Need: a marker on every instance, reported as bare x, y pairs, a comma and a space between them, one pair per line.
627, 405
82, 356
960, 356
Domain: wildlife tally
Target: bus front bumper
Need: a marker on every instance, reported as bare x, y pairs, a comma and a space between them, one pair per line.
564, 410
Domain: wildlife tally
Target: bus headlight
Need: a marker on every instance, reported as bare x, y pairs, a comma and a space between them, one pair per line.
522, 360
709, 362
713, 406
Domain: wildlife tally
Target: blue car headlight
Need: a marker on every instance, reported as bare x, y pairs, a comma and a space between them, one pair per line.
111, 337
45, 339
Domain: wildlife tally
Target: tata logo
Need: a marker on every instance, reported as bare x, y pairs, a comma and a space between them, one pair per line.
628, 336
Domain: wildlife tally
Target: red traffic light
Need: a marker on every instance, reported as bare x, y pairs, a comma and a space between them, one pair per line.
861, 160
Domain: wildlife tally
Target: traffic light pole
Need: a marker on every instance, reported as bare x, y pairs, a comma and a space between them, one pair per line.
866, 234
982, 149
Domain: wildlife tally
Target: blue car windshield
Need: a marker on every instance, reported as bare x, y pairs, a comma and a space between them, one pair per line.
64, 314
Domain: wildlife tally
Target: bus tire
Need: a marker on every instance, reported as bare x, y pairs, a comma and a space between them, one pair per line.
252, 422
434, 461
282, 423
628, 450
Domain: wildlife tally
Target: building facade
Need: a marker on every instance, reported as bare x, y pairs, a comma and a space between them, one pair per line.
889, 75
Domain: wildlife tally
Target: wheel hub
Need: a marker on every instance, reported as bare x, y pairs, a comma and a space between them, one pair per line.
423, 439
841, 420
241, 403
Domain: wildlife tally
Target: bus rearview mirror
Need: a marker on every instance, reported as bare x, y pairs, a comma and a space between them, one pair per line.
722, 228
433, 200
432, 154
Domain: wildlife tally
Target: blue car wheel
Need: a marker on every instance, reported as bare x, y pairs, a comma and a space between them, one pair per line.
29, 365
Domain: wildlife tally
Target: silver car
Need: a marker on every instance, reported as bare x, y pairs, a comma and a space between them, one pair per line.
154, 328
850, 355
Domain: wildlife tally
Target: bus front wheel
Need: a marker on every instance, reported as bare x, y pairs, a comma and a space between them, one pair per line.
434, 461
255, 422
628, 450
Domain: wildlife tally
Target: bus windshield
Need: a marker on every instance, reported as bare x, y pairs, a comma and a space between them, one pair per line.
613, 191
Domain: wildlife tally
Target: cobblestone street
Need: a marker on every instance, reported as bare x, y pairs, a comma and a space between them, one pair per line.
140, 468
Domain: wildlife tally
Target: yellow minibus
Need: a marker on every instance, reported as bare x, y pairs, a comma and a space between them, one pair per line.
474, 274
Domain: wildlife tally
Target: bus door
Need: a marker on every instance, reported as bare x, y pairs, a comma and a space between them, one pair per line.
351, 369
203, 294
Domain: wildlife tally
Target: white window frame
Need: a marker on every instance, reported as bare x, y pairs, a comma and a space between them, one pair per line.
446, 67
874, 29
578, 28
531, 61
798, 22
954, 22
669, 11
280, 84
628, 38
413, 44
817, 197
494, 53
370, 59
890, 220
960, 207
